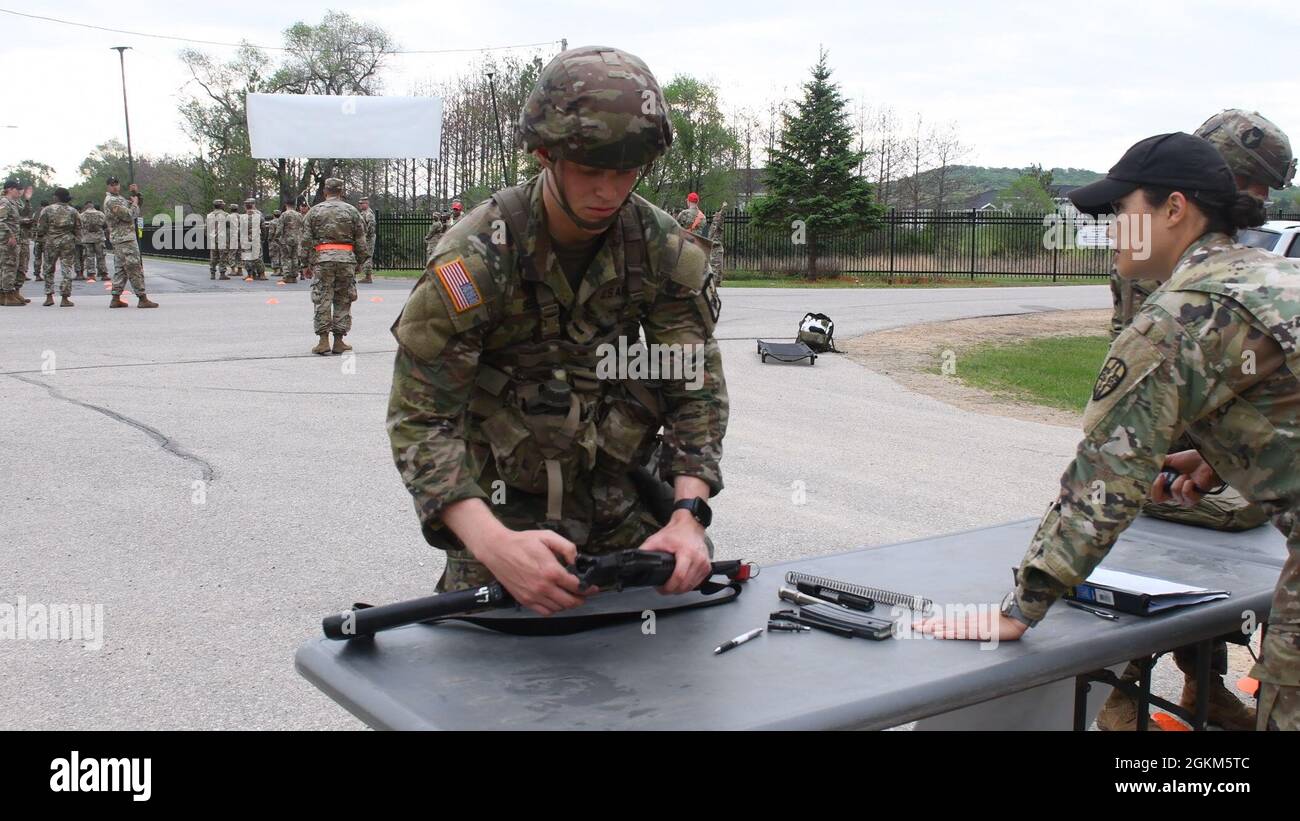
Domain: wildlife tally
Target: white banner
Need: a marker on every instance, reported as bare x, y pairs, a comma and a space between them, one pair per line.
322, 125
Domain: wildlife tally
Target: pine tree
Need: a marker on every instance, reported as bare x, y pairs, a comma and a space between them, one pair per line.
812, 177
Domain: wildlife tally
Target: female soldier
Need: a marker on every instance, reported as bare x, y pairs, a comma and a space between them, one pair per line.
1212, 353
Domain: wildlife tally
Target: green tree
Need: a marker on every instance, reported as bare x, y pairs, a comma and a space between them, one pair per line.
36, 174
699, 159
1030, 194
813, 188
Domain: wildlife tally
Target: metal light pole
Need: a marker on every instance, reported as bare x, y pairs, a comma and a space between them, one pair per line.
505, 175
130, 158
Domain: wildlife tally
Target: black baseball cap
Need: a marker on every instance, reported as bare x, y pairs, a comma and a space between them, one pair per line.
112, 181
12, 182
1180, 161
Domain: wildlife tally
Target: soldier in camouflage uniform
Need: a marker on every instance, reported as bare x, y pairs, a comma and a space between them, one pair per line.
691, 217
368, 217
214, 224
91, 240
333, 244
1266, 162
127, 265
26, 227
234, 249
435, 232
250, 240
715, 243
1181, 366
498, 392
273, 241
38, 243
60, 225
291, 241
9, 239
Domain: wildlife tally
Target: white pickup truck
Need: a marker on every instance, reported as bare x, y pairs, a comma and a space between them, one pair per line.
1281, 237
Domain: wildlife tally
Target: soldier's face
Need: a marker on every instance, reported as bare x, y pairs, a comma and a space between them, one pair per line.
595, 194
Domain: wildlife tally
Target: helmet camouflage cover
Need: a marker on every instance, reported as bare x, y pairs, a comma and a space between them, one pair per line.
1253, 146
597, 106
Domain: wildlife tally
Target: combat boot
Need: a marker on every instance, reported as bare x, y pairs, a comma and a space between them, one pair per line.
116, 302
1226, 710
322, 346
290, 279
9, 299
212, 275
146, 302
339, 345
368, 279
49, 300
65, 302
223, 276
18, 294
79, 278
1119, 713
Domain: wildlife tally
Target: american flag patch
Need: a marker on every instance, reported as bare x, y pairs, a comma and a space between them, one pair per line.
460, 287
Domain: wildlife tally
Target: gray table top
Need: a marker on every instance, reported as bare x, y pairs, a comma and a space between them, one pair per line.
455, 676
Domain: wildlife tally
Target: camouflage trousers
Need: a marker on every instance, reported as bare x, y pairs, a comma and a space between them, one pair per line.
603, 515
64, 252
333, 291
429, 248
127, 265
8, 267
38, 259
92, 259
289, 261
24, 258
1279, 707
254, 267
274, 251
216, 260
367, 267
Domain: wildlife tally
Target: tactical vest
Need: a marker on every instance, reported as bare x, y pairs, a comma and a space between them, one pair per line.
539, 404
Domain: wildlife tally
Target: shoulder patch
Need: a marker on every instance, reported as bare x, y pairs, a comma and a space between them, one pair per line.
1111, 377
459, 285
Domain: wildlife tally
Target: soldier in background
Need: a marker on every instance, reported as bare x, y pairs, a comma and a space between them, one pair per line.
334, 244
215, 229
38, 244
715, 244
435, 232
127, 265
234, 247
273, 240
691, 217
26, 227
9, 234
368, 217
290, 242
91, 240
456, 210
60, 225
250, 242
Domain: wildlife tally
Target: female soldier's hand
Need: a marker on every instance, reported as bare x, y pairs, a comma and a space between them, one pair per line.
1195, 477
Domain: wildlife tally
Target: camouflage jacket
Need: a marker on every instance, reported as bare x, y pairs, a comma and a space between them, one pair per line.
691, 218
58, 221
26, 217
9, 219
273, 230
435, 231
334, 222
1212, 353
368, 217
291, 228
121, 215
473, 349
93, 225
216, 229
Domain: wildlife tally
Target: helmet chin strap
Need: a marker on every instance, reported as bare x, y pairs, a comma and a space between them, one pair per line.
551, 179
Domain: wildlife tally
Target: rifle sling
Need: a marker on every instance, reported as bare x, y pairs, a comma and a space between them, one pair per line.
567, 625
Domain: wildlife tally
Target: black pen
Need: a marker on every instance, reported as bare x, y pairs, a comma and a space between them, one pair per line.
737, 641
1092, 610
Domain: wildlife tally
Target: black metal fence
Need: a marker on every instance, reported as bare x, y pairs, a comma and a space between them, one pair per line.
971, 244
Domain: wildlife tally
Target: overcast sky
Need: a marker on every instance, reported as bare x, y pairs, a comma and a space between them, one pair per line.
1061, 84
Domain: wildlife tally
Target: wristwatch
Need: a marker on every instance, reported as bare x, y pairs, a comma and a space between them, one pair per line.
1011, 609
698, 508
